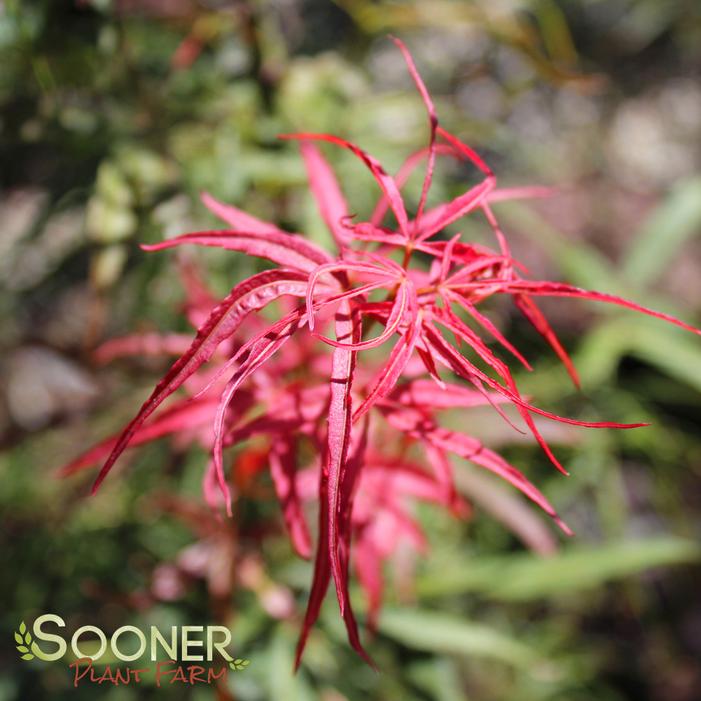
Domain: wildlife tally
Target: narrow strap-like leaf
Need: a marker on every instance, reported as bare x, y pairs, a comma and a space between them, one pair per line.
283, 470
237, 218
285, 249
327, 192
387, 377
350, 479
395, 318
385, 181
322, 569
425, 393
488, 325
464, 368
186, 415
539, 322
248, 296
422, 428
407, 168
258, 353
561, 289
433, 125
339, 434
438, 218
344, 267
143, 344
368, 566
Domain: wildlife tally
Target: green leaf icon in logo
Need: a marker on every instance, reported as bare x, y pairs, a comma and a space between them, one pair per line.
239, 663
23, 638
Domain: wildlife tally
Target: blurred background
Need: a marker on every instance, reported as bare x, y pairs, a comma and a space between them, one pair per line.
115, 114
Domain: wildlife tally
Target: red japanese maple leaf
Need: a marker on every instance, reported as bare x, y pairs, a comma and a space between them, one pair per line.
336, 400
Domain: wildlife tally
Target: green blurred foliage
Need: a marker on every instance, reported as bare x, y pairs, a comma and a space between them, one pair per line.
114, 114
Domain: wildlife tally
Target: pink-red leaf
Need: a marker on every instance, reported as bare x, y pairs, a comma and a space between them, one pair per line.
186, 415
237, 218
396, 316
419, 426
433, 125
527, 192
342, 267
256, 352
322, 570
281, 248
141, 345
385, 181
403, 174
488, 325
327, 192
339, 436
283, 470
349, 481
561, 289
248, 296
387, 377
368, 566
464, 368
425, 393
528, 308
436, 219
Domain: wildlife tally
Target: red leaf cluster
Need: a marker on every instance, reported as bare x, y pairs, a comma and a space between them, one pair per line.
246, 377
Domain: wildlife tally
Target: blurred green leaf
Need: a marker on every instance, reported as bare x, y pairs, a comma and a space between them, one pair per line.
674, 222
442, 633
677, 354
283, 683
527, 577
439, 677
669, 349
